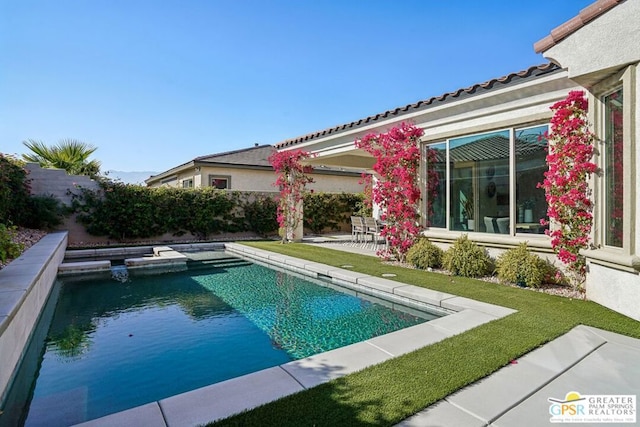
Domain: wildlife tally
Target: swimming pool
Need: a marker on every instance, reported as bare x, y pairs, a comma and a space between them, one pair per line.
115, 345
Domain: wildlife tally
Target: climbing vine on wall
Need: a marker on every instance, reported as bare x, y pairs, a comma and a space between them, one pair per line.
292, 177
396, 191
566, 188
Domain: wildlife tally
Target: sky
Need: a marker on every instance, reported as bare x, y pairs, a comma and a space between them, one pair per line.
155, 83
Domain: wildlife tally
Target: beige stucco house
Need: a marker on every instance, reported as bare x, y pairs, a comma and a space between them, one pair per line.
487, 148
249, 170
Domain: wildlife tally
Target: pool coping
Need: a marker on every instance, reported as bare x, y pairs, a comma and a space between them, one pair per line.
25, 285
226, 398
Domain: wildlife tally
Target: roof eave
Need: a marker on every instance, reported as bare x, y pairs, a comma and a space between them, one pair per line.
480, 88
569, 27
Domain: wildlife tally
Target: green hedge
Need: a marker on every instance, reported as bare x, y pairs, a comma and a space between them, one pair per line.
327, 211
125, 211
14, 190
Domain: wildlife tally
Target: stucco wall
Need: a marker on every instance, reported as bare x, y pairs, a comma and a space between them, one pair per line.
616, 289
607, 42
56, 182
243, 179
336, 184
263, 180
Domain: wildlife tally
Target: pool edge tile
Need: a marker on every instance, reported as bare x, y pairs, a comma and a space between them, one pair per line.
460, 303
379, 283
222, 400
321, 368
423, 294
461, 321
145, 415
409, 339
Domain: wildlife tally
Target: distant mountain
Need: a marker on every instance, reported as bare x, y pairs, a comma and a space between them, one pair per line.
136, 177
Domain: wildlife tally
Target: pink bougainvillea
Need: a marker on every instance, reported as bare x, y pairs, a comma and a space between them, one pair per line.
292, 176
396, 191
565, 184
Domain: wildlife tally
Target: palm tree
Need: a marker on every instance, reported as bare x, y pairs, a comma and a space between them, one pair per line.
69, 154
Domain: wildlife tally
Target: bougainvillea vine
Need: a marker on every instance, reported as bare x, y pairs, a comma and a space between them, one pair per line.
566, 188
396, 191
292, 177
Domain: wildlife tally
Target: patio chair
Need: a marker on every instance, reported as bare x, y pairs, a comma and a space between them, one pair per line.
373, 228
489, 224
357, 228
503, 225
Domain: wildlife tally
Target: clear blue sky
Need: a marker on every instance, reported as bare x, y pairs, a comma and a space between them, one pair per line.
155, 83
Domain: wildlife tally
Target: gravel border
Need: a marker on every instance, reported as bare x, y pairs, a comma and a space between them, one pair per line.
547, 288
26, 237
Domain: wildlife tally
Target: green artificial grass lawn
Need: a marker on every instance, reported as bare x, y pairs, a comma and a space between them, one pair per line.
387, 393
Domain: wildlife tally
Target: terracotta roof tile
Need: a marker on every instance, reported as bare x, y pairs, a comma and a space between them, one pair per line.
535, 71
586, 15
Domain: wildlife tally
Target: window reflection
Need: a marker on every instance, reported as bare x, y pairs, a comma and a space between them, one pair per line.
531, 164
614, 190
479, 183
436, 191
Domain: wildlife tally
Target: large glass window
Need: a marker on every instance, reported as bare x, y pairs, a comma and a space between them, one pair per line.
531, 164
613, 169
436, 190
479, 183
471, 185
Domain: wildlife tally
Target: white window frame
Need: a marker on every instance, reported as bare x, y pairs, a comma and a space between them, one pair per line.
224, 177
625, 79
512, 176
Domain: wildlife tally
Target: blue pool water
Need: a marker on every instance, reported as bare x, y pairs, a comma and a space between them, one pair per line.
114, 345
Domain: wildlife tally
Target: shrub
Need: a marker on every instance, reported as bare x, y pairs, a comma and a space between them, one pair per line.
519, 265
260, 215
43, 213
327, 210
14, 190
424, 254
8, 249
123, 211
467, 259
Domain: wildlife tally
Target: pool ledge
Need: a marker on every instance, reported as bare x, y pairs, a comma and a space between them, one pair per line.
25, 285
230, 397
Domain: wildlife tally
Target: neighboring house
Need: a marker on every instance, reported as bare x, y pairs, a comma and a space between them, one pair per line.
487, 146
249, 170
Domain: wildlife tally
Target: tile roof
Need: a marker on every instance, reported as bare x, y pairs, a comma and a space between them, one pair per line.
586, 15
497, 83
256, 157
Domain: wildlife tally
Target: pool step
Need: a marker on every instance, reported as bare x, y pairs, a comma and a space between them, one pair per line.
223, 262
